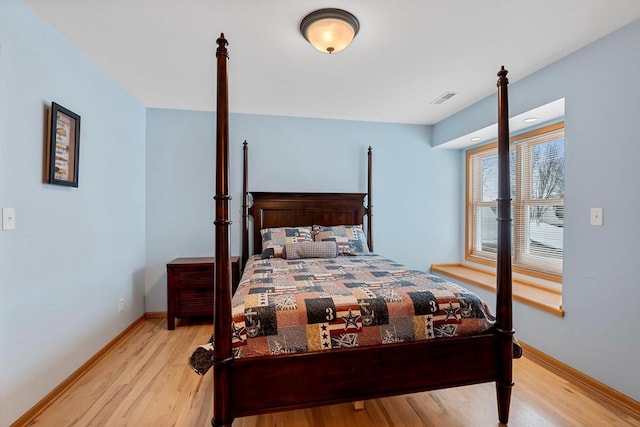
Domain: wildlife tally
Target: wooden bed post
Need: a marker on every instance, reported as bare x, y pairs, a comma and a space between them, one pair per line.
222, 352
369, 204
504, 322
245, 206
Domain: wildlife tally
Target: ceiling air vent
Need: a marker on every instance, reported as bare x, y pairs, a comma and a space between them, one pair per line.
442, 98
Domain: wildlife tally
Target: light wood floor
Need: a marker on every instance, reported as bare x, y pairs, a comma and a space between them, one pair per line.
145, 380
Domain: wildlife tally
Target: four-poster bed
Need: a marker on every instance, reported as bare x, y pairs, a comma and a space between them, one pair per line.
265, 383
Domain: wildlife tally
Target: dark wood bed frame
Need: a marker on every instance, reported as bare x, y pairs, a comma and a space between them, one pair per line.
249, 386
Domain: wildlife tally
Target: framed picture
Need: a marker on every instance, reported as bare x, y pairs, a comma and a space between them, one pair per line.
63, 146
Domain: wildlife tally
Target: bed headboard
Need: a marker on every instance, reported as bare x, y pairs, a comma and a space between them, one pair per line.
295, 209
272, 209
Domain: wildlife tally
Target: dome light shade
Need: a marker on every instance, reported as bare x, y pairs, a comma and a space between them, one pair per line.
329, 30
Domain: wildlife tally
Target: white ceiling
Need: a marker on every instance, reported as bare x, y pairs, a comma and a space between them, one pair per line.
408, 52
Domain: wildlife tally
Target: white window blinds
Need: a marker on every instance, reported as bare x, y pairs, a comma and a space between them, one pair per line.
537, 208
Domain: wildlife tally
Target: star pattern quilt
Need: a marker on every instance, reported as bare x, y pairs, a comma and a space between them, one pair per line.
290, 306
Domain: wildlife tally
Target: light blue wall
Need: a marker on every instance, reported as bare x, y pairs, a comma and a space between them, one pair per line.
601, 286
75, 251
416, 208
145, 197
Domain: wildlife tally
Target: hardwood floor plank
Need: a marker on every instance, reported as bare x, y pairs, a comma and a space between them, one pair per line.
145, 380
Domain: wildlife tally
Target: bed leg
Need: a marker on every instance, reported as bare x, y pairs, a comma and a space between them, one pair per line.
358, 405
504, 401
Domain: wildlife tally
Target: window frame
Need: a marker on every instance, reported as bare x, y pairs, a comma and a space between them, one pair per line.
519, 207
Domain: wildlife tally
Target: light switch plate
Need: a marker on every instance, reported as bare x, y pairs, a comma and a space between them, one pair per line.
8, 218
596, 216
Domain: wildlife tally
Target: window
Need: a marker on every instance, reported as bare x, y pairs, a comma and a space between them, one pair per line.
537, 207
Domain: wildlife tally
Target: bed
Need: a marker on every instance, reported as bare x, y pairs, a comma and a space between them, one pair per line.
249, 382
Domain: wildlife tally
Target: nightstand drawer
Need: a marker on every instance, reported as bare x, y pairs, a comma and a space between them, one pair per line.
195, 277
194, 302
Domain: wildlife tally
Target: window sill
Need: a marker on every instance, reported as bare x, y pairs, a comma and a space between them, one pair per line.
538, 296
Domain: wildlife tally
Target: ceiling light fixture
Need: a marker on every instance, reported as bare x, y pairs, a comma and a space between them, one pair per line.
329, 30
475, 138
530, 120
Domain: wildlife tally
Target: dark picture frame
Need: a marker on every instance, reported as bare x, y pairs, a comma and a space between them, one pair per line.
63, 146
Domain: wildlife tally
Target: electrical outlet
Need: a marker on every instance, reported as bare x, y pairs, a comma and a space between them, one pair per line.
121, 305
8, 218
596, 216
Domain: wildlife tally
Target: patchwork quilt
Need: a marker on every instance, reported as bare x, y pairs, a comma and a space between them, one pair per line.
317, 304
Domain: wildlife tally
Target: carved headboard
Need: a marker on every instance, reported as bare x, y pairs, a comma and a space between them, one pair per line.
273, 209
282, 209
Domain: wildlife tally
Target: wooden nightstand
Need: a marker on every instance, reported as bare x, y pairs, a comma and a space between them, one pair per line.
190, 287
